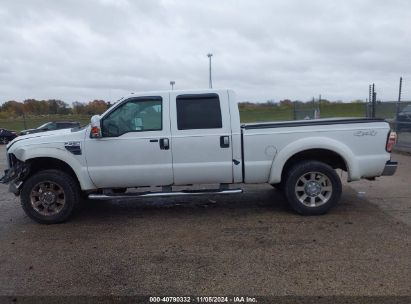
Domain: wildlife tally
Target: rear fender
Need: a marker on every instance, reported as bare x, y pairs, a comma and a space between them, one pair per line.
313, 143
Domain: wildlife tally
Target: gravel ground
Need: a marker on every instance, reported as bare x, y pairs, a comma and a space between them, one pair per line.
247, 244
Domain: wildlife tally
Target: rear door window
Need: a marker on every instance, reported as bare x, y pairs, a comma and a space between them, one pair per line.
63, 125
198, 111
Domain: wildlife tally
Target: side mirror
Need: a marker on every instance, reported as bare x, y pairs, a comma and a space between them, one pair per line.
95, 127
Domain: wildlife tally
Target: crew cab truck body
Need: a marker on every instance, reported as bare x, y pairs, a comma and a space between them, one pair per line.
181, 138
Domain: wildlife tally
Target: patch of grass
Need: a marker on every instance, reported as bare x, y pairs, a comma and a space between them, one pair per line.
265, 114
260, 114
343, 110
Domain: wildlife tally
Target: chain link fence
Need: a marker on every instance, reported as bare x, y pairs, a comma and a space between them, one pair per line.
398, 114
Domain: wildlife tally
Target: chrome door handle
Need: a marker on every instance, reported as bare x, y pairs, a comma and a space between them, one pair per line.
224, 141
164, 144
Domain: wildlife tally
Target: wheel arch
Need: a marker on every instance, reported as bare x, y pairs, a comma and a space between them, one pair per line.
55, 158
38, 164
329, 151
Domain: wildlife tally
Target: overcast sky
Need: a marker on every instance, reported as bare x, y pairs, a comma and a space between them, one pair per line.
79, 50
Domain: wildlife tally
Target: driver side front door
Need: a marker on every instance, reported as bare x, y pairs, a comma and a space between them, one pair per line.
135, 148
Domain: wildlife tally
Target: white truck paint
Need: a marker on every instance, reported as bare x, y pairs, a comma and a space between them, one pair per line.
153, 139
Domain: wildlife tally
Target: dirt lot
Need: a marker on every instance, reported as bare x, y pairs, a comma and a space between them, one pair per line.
246, 244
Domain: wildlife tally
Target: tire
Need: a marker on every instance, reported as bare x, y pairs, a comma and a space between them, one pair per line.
312, 188
49, 196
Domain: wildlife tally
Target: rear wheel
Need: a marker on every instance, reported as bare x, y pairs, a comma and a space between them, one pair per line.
312, 187
49, 196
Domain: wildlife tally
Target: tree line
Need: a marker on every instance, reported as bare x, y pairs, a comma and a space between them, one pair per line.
33, 107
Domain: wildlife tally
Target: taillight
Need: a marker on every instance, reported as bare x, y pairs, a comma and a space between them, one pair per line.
391, 141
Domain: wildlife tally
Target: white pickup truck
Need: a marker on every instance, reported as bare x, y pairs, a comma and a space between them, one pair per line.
182, 138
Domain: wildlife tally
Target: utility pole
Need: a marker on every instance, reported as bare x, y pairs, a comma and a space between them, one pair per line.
369, 93
210, 83
172, 83
399, 96
369, 101
398, 103
374, 100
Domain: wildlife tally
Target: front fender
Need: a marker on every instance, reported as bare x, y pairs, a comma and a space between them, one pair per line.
313, 143
76, 162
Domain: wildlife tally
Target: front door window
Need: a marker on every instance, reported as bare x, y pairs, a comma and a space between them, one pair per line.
136, 115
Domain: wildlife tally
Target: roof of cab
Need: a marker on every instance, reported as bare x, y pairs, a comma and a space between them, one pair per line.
191, 91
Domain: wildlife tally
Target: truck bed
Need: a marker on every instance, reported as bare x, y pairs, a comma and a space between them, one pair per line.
360, 142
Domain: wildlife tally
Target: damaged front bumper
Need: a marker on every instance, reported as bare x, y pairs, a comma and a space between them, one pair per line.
15, 176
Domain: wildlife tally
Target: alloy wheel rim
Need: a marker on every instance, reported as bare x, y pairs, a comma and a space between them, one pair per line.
313, 189
47, 198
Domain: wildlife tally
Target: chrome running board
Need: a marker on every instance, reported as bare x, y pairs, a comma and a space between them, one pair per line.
164, 194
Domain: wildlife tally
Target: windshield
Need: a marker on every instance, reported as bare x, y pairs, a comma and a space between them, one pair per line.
44, 125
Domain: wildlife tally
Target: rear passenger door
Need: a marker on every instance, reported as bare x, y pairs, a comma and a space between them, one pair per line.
201, 138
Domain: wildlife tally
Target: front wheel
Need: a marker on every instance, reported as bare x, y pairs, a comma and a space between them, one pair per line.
49, 196
312, 188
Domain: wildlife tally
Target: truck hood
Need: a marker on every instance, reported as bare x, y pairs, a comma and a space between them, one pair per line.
32, 131
48, 137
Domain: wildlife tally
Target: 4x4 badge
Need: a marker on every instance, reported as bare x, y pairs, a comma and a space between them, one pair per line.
365, 133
